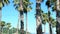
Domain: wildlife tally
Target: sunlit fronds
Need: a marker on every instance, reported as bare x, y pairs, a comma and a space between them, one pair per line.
6, 1
1, 5
26, 5
16, 2
2, 23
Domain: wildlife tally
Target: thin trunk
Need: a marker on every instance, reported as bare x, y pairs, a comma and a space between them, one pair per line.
49, 20
26, 24
38, 18
18, 24
2, 30
22, 17
8, 31
0, 21
12, 30
44, 29
50, 28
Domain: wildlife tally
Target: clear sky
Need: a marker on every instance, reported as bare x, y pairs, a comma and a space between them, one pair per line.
10, 14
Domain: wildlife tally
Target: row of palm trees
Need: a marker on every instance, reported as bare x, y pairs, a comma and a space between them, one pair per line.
24, 6
3, 25
52, 22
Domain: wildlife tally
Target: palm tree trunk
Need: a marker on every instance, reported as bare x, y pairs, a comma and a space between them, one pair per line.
38, 18
18, 24
22, 17
8, 31
58, 18
12, 30
50, 28
2, 30
58, 22
44, 29
22, 22
26, 24
0, 21
49, 20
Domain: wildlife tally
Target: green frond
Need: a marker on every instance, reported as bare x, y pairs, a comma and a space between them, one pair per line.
26, 5
54, 24
16, 2
44, 21
6, 1
28, 9
2, 23
54, 8
1, 5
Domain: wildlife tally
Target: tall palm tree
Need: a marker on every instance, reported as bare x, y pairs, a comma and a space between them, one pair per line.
2, 3
8, 26
56, 8
19, 7
49, 5
27, 8
2, 25
38, 17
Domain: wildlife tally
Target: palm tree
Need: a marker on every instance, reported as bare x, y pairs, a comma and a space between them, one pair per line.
2, 5
57, 9
38, 17
49, 5
2, 25
27, 8
19, 7
8, 26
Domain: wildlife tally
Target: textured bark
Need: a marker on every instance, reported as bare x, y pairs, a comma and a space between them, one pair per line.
58, 18
38, 18
21, 17
22, 22
58, 23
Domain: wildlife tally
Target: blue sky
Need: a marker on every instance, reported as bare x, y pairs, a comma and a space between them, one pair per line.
10, 14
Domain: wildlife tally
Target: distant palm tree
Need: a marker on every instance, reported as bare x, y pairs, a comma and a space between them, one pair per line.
27, 7
8, 26
56, 8
2, 25
38, 17
49, 5
19, 7
2, 3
